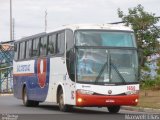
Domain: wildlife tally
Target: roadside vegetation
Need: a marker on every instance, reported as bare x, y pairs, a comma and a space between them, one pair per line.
150, 84
150, 89
143, 23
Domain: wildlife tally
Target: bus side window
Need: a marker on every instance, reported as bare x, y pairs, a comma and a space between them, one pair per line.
35, 51
52, 44
69, 40
61, 43
43, 46
70, 56
16, 51
22, 51
28, 49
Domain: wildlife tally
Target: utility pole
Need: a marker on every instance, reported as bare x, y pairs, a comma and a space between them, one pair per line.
11, 20
13, 29
45, 28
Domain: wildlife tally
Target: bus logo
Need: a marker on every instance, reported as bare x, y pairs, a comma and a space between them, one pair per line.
109, 91
41, 72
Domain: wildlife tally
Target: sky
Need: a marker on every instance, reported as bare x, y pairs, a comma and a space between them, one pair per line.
29, 15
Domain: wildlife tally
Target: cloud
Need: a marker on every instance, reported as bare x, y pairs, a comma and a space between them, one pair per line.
29, 14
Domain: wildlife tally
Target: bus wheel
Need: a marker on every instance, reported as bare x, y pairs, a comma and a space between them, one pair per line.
29, 103
62, 106
113, 109
35, 103
26, 102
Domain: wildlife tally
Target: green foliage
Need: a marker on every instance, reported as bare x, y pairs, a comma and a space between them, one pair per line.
146, 68
158, 64
142, 23
149, 84
157, 83
158, 71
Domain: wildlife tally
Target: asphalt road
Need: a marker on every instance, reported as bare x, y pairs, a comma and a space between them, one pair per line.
13, 109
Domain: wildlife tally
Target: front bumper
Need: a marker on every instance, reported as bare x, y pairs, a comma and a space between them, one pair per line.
83, 100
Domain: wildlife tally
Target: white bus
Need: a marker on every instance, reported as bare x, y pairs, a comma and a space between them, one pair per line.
78, 65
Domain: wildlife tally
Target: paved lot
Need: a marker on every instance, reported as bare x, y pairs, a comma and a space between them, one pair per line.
12, 107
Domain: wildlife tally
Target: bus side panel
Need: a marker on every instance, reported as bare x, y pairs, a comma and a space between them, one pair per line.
42, 70
57, 74
20, 82
17, 87
34, 75
59, 77
70, 95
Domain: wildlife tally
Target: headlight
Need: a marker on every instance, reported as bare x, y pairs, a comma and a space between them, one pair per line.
133, 92
85, 92
136, 100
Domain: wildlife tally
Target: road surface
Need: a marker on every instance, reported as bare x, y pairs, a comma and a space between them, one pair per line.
13, 109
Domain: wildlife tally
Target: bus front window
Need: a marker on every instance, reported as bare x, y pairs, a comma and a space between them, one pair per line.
106, 57
89, 64
102, 66
105, 38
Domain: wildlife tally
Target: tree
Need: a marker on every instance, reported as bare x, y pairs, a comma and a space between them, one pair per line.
143, 24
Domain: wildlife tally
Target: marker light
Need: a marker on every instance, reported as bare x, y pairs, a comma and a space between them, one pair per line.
136, 100
79, 100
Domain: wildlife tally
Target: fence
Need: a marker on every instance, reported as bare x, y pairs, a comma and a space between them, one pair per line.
6, 62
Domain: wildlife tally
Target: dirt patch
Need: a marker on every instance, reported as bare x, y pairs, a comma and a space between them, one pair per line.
149, 99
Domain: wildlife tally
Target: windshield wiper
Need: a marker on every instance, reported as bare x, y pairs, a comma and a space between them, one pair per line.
101, 71
122, 78
107, 63
103, 68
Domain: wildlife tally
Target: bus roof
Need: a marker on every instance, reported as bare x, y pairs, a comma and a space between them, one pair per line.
94, 26
74, 27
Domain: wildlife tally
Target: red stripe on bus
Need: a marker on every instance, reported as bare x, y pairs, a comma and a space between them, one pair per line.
24, 74
102, 101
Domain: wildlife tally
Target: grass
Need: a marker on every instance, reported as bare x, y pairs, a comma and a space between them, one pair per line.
149, 99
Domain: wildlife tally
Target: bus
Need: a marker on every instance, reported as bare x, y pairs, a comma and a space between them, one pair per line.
79, 65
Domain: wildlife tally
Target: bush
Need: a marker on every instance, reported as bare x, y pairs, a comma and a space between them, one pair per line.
157, 83
148, 84
158, 64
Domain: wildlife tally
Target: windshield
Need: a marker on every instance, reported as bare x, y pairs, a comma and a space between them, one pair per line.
106, 57
99, 66
105, 38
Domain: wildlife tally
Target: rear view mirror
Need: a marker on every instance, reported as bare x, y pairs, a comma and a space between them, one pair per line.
15, 47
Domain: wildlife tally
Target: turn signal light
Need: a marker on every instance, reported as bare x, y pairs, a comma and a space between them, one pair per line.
79, 100
136, 100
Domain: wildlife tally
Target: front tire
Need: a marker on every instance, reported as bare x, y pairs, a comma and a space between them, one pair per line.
113, 109
63, 107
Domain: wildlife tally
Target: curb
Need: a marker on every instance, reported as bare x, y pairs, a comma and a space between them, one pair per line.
6, 94
141, 109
